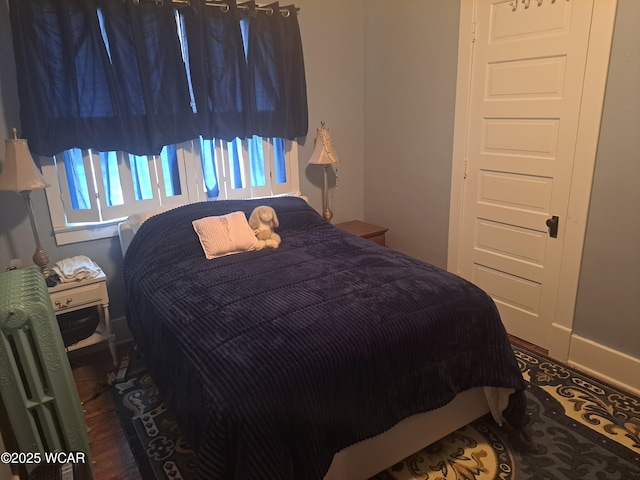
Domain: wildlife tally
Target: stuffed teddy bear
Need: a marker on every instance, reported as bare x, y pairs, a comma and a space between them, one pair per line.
263, 221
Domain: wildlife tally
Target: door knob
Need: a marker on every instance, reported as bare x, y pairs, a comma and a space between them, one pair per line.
552, 223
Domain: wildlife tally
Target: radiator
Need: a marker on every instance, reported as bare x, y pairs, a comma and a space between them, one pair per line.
36, 384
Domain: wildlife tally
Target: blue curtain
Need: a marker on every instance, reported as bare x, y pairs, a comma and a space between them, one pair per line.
112, 75
275, 64
233, 149
146, 58
169, 161
218, 70
65, 83
207, 158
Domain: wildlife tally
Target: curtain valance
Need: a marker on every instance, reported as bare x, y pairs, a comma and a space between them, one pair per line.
136, 75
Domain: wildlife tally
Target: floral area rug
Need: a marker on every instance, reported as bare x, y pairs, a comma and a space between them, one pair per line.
580, 428
157, 444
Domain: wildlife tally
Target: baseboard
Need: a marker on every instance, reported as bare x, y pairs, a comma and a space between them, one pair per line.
611, 366
559, 343
121, 330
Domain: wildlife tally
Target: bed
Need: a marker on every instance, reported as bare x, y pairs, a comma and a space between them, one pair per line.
329, 357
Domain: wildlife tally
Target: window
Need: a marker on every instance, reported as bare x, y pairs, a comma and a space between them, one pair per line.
92, 191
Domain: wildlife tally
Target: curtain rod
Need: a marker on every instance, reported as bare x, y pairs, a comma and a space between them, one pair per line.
224, 6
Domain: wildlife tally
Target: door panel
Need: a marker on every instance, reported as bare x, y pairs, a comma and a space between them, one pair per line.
527, 76
514, 243
515, 138
524, 295
515, 22
515, 190
537, 78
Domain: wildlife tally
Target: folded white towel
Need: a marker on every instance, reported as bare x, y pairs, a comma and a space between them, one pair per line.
76, 268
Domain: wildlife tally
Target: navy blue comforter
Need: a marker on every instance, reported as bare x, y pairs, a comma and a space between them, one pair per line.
274, 360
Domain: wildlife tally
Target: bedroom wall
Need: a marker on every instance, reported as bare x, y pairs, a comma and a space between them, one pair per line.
608, 304
410, 80
333, 42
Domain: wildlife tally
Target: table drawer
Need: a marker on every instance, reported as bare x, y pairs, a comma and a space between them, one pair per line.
379, 239
77, 297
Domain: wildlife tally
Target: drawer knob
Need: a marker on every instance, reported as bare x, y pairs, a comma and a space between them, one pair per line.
62, 306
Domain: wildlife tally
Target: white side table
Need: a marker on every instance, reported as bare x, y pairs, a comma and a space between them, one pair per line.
71, 296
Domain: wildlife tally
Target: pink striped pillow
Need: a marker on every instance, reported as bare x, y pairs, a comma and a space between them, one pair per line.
225, 235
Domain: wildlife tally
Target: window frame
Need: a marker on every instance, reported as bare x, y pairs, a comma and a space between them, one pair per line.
191, 180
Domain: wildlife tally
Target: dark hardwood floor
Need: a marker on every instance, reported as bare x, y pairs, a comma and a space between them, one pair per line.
109, 446
530, 346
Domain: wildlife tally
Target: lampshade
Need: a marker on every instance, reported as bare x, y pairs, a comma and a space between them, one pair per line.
19, 172
323, 153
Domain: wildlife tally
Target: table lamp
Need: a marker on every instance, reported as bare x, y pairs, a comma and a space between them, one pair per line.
20, 174
325, 155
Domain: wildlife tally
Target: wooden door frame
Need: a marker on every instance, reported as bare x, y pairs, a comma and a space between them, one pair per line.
596, 70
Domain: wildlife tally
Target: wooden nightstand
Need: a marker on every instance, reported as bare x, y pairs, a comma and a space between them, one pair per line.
365, 230
92, 292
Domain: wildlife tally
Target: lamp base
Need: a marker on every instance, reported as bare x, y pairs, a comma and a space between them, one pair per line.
41, 259
326, 211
